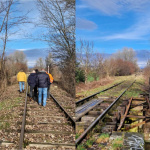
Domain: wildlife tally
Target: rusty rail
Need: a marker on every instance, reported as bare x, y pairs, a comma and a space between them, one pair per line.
59, 105
82, 100
83, 135
23, 122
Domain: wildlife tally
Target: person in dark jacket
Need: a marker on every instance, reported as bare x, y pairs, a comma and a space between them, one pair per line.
32, 83
43, 82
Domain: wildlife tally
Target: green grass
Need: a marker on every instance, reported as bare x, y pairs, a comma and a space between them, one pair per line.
77, 135
90, 78
6, 114
9, 104
4, 125
89, 142
81, 147
134, 91
104, 135
117, 143
92, 91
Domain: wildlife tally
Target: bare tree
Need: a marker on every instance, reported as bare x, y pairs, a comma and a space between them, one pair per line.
58, 17
15, 62
18, 57
127, 54
40, 64
85, 55
10, 20
97, 66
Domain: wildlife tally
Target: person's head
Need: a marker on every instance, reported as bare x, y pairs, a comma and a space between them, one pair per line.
43, 70
33, 71
36, 70
21, 70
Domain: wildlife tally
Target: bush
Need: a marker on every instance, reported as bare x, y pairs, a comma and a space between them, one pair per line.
79, 75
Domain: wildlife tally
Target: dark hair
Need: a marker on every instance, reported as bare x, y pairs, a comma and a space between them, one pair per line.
36, 70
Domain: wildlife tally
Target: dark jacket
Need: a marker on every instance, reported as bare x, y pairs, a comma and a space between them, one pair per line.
43, 80
32, 79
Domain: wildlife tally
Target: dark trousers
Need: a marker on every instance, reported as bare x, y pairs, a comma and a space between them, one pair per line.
31, 91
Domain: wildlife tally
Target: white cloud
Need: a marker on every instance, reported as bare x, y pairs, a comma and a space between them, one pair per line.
31, 63
137, 31
81, 6
21, 49
115, 7
85, 24
24, 30
142, 64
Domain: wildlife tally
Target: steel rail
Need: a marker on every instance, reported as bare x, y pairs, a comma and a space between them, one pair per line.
69, 117
23, 122
82, 100
93, 124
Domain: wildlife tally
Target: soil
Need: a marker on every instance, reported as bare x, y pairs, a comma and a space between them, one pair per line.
95, 84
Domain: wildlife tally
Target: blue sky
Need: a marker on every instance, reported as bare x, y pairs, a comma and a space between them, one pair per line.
110, 24
26, 39
21, 40
113, 24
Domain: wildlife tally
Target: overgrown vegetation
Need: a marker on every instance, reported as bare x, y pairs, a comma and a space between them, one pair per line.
95, 66
11, 20
117, 144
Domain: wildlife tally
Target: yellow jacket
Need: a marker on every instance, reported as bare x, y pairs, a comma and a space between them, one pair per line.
21, 76
50, 77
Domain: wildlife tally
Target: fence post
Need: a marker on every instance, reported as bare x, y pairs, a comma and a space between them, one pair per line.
48, 68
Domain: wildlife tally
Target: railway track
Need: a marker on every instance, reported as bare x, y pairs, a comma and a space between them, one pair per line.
94, 111
80, 102
49, 127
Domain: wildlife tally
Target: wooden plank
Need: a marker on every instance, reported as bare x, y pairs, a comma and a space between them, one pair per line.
134, 126
138, 99
133, 116
147, 100
124, 117
53, 145
48, 132
140, 104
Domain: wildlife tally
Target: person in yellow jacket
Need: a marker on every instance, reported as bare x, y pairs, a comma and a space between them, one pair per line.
51, 81
21, 78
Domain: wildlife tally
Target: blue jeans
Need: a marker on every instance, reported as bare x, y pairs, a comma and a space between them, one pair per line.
21, 86
42, 91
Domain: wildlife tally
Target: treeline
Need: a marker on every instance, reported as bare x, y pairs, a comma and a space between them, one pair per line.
95, 65
146, 72
11, 21
12, 64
